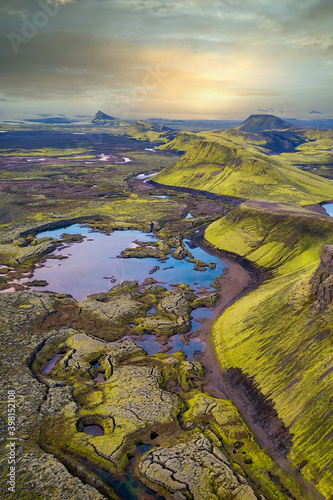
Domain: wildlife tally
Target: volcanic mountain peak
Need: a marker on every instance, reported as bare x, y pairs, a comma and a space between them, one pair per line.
258, 123
101, 117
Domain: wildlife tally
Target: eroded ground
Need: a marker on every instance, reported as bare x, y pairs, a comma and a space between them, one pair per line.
91, 404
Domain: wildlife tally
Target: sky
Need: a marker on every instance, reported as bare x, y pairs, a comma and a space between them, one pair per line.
189, 59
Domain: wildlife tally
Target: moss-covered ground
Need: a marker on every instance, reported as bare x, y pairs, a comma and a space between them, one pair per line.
274, 333
231, 170
155, 400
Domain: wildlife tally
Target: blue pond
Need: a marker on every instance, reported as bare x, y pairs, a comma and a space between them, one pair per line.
151, 345
92, 263
329, 208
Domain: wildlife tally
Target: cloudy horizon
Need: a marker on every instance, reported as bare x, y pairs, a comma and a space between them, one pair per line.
223, 59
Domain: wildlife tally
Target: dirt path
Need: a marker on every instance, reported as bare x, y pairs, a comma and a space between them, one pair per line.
237, 280
271, 206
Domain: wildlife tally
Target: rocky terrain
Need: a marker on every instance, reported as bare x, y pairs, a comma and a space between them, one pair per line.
322, 280
97, 416
200, 445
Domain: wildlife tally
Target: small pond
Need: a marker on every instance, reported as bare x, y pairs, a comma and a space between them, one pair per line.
93, 430
92, 266
50, 365
127, 486
151, 344
329, 208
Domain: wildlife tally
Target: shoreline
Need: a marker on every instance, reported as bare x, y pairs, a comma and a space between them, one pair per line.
237, 280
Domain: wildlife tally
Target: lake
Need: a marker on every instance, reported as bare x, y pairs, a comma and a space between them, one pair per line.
90, 265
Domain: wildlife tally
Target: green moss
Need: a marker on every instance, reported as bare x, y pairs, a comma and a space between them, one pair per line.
227, 169
226, 424
272, 333
127, 405
145, 131
316, 150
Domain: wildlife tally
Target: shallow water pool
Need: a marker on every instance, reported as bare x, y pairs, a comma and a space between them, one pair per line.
92, 266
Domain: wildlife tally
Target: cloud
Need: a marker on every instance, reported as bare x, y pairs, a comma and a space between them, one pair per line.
267, 110
232, 52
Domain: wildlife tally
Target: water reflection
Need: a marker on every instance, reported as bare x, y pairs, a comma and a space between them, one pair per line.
50, 365
87, 264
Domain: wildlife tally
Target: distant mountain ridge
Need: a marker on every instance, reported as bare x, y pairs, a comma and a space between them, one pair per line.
259, 123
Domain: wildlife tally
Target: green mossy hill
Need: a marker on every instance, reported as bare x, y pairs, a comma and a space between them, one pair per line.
245, 173
317, 149
280, 334
186, 140
309, 147
317, 134
272, 238
183, 141
145, 131
258, 123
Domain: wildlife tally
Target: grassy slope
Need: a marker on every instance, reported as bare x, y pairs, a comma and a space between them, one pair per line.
226, 169
255, 123
185, 140
273, 335
144, 131
318, 149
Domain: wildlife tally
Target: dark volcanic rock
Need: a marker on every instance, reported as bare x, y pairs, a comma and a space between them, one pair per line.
322, 280
36, 283
177, 302
155, 268
38, 474
197, 468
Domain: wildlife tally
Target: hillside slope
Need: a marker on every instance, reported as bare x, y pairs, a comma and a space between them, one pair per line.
145, 131
101, 117
226, 169
186, 140
280, 334
258, 123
